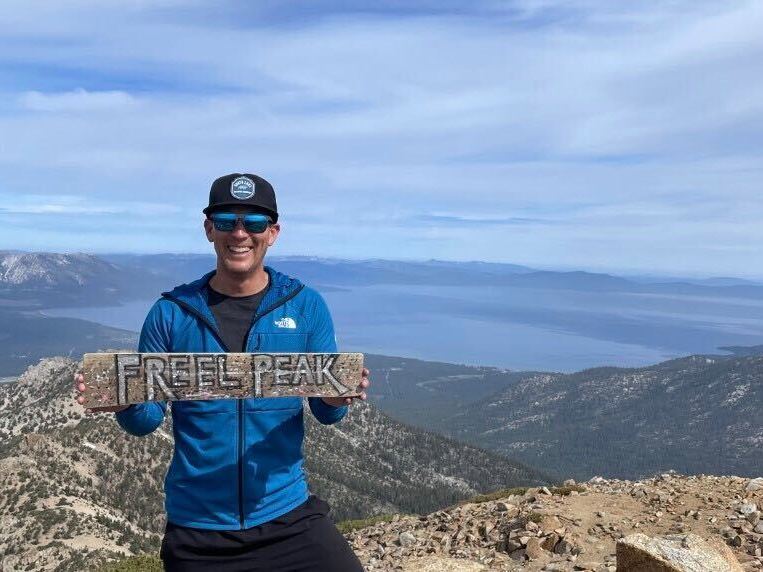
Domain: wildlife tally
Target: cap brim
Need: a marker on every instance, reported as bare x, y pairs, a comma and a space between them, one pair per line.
221, 206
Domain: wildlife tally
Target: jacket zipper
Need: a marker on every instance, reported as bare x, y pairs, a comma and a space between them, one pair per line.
240, 402
240, 413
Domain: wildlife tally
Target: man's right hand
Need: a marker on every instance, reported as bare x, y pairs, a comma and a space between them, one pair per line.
80, 388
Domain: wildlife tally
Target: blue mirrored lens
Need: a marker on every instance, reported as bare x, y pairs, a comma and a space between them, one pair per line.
226, 222
256, 222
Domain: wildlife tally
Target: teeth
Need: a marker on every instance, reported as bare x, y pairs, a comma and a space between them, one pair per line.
239, 249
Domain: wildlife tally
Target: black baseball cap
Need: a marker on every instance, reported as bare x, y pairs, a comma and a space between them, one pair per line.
242, 189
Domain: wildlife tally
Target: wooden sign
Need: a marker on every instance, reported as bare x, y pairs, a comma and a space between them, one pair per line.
126, 378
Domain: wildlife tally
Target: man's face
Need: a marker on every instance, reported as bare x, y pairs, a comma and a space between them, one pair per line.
239, 251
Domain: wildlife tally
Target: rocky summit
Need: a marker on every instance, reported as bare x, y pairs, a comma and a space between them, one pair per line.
584, 526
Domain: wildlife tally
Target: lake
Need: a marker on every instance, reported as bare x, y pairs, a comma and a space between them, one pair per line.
516, 328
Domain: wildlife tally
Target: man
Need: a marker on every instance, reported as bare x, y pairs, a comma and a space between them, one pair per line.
236, 494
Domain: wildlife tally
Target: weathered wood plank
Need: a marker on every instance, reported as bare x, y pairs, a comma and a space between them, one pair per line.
127, 378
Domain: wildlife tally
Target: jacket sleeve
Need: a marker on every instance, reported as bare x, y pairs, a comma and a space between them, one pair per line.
322, 340
143, 418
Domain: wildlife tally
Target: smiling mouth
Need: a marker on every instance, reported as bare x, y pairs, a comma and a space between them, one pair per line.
239, 249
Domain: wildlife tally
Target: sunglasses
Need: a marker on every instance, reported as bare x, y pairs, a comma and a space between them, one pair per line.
226, 222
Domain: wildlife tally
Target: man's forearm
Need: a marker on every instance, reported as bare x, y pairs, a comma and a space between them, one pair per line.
326, 414
141, 419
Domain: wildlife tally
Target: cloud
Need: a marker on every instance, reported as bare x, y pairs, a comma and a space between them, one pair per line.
606, 125
470, 220
77, 205
77, 100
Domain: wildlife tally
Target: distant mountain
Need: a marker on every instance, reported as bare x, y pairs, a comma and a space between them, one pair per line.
327, 271
700, 414
423, 393
58, 273
76, 489
45, 280
577, 280
598, 282
49, 280
164, 271
50, 270
726, 281
170, 269
743, 350
713, 281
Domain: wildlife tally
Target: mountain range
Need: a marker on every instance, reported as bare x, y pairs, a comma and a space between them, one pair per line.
337, 272
699, 414
42, 279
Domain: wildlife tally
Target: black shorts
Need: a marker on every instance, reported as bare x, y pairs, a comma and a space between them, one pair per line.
303, 539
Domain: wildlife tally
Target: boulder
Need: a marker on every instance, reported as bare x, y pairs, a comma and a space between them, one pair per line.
674, 553
549, 523
754, 485
534, 550
550, 542
563, 547
747, 508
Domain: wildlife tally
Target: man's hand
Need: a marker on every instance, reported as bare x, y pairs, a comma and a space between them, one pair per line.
80, 388
340, 401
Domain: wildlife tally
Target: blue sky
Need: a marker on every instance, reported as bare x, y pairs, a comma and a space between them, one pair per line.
598, 135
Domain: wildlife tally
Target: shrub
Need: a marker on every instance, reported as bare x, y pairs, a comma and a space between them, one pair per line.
349, 525
516, 491
143, 563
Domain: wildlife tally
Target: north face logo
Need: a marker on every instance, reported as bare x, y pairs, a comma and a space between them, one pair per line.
286, 323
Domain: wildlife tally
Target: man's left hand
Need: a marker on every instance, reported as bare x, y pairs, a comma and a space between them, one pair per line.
340, 401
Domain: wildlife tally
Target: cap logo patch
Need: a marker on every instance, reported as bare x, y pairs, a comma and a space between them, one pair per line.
242, 188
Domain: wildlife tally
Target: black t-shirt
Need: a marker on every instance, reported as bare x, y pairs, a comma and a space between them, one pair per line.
234, 315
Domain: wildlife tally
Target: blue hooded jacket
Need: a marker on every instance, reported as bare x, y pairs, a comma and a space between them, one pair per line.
237, 463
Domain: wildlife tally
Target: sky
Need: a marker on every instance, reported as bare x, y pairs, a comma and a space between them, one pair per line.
610, 136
